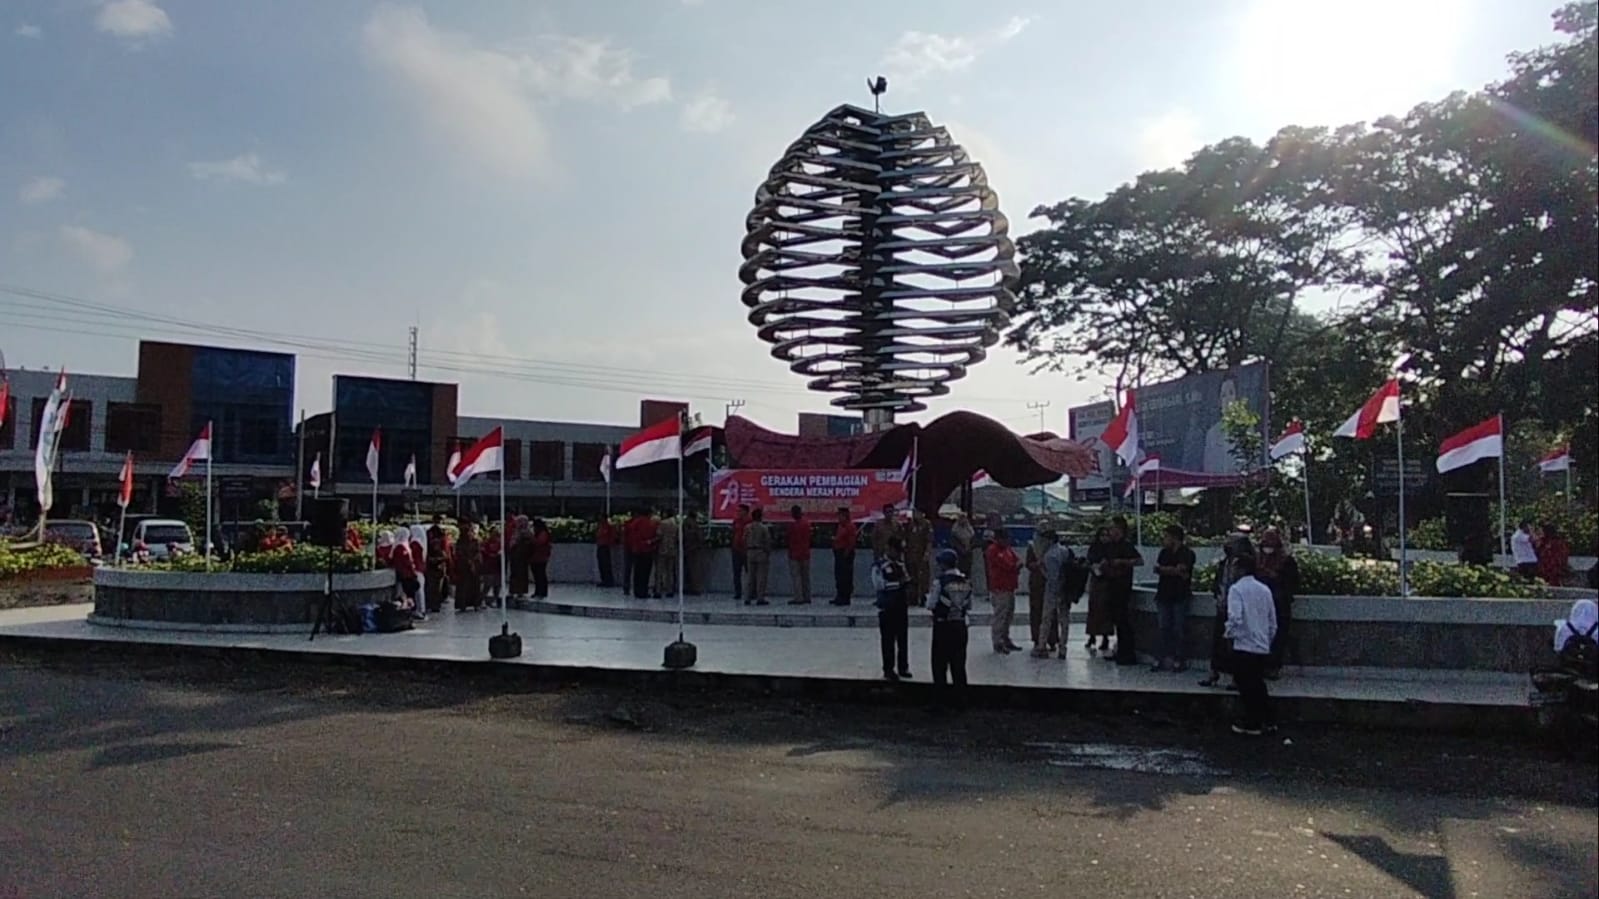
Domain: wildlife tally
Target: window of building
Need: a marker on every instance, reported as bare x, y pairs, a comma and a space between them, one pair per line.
586, 461
132, 427
80, 421
513, 460
546, 460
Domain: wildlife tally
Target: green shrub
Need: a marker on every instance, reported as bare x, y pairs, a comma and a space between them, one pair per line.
1322, 574
301, 560
1431, 533
15, 563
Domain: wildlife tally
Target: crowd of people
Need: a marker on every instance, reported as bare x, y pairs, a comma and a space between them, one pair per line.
430, 567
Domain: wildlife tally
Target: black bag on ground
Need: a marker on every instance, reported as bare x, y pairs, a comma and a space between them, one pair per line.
345, 619
391, 618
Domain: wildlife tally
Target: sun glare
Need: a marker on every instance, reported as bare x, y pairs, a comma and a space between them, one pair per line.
1315, 63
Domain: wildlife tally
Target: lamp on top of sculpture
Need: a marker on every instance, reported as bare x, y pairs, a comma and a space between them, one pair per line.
877, 262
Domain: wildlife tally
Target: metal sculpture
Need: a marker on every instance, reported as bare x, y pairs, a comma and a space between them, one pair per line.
877, 262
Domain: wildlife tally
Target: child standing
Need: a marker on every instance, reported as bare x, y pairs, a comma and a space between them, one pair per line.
892, 583
950, 601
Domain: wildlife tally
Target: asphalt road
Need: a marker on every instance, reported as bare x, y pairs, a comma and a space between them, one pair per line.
122, 778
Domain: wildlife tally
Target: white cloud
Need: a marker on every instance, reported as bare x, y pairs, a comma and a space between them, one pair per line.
1168, 140
41, 189
106, 252
32, 31
246, 167
918, 54
488, 99
133, 20
707, 114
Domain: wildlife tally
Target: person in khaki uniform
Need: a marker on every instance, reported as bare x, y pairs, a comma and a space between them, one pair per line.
666, 557
918, 549
757, 558
883, 531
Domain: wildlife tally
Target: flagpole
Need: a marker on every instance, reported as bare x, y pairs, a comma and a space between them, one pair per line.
505, 601
916, 464
1310, 528
375, 502
1504, 548
122, 522
1138, 509
210, 451
299, 474
680, 527
1399, 442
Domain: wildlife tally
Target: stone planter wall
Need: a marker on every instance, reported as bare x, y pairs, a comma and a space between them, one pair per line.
233, 602
1503, 635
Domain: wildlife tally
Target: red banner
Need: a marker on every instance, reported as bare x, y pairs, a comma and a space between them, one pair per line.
819, 492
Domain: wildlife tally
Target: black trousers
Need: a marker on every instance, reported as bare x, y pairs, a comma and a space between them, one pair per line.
1249, 671
894, 632
1121, 607
844, 575
738, 574
627, 571
949, 654
643, 564
602, 554
1279, 642
541, 580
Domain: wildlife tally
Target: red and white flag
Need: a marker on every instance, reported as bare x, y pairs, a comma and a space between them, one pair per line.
1292, 441
484, 457
199, 451
1149, 464
44, 454
980, 478
410, 472
372, 453
1557, 460
1478, 442
698, 441
125, 494
1121, 435
449, 467
656, 443
5, 399
316, 472
908, 467
605, 466
1383, 407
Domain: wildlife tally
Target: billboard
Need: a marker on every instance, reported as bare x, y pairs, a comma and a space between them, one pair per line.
1180, 421
819, 492
1084, 424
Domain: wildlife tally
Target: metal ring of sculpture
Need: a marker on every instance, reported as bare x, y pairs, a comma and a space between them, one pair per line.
876, 260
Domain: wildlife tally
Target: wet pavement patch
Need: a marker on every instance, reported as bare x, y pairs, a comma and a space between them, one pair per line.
1122, 757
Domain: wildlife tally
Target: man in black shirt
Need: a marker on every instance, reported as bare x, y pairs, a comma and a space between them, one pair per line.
1121, 557
1175, 565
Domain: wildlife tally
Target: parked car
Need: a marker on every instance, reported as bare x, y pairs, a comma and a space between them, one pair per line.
82, 536
162, 538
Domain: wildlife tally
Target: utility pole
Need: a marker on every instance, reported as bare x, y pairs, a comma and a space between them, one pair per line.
411, 356
1043, 496
731, 407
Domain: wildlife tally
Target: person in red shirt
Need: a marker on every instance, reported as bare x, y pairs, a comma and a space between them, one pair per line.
605, 539
539, 558
493, 545
1554, 557
638, 535
799, 557
741, 523
844, 539
405, 575
1004, 577
352, 539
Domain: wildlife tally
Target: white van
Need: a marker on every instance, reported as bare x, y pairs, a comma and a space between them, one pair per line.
162, 537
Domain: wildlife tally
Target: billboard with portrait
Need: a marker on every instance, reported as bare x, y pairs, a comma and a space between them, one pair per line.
1084, 424
1181, 422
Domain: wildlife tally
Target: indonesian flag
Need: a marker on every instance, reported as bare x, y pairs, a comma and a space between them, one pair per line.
484, 457
656, 443
908, 467
125, 495
697, 442
199, 451
316, 472
605, 466
980, 478
1478, 442
1121, 435
1292, 441
372, 453
1381, 408
1150, 463
410, 472
5, 399
449, 467
1557, 460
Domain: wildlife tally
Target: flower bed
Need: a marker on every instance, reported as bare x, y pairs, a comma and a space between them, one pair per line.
50, 561
1322, 574
232, 600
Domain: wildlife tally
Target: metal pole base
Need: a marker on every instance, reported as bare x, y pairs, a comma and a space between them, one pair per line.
505, 645
680, 654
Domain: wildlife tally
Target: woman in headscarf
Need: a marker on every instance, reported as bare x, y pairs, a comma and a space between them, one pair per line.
1101, 617
493, 545
539, 558
418, 543
1037, 584
1226, 573
1554, 556
385, 548
1278, 570
405, 569
1581, 621
516, 556
468, 570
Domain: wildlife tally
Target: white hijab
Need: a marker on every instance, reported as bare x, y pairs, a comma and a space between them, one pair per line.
1582, 617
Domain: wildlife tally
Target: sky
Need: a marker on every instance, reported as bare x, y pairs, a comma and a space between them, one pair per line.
553, 194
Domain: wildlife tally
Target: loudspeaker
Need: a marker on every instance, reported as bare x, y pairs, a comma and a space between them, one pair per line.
680, 654
328, 518
505, 645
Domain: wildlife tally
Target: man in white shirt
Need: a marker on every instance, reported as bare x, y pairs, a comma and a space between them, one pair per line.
1523, 552
1251, 626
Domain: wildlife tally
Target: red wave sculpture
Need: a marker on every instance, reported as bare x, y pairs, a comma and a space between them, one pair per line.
952, 448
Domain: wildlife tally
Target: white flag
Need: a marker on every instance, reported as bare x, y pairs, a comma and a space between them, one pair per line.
605, 466
316, 472
44, 456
